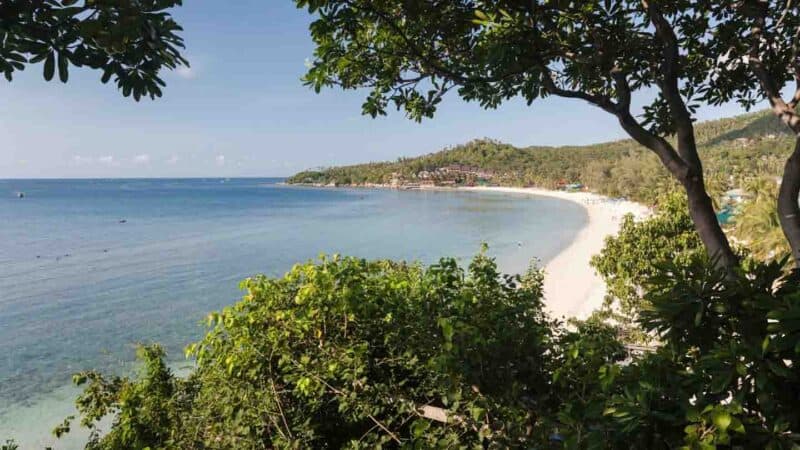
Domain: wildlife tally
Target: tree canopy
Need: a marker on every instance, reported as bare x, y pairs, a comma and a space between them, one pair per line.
130, 41
757, 56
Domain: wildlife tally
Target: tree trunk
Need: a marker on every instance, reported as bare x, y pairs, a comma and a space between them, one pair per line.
788, 204
701, 209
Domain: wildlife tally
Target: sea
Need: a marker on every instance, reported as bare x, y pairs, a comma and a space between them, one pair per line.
90, 268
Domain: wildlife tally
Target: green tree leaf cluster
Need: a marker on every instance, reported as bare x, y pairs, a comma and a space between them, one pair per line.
346, 353
642, 248
130, 41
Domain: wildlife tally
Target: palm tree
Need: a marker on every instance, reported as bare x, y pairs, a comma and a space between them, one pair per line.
758, 223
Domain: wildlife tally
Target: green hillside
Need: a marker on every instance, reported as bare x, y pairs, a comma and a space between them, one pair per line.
733, 150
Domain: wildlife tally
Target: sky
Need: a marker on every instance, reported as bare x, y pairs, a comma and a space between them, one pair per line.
241, 110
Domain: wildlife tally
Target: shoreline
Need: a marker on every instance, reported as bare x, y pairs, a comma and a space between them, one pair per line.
571, 286
572, 289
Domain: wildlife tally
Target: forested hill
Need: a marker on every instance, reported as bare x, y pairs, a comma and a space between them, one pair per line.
732, 149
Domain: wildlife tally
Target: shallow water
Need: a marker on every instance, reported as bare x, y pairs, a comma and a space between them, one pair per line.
90, 267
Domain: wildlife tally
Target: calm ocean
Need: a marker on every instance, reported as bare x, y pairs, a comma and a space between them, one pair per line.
90, 267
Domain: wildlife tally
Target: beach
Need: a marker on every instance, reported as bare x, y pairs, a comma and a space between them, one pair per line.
572, 288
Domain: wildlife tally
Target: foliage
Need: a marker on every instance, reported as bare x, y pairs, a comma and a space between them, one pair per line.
758, 222
734, 150
588, 359
735, 347
759, 41
640, 250
343, 353
9, 445
672, 56
410, 54
128, 40
724, 376
144, 411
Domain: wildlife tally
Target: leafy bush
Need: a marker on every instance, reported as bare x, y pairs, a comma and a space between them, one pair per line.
635, 254
638, 253
346, 353
726, 373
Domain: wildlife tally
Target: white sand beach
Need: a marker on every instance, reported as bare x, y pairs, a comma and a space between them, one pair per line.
572, 288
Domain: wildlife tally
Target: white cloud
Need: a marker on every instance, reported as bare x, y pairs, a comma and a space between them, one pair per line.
81, 160
220, 160
186, 73
173, 160
141, 159
108, 160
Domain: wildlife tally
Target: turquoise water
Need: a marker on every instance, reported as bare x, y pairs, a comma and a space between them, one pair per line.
90, 267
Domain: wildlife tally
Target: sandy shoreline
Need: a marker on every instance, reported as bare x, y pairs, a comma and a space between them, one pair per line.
572, 288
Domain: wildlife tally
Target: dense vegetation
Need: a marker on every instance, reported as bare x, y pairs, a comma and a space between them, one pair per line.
347, 353
734, 150
638, 253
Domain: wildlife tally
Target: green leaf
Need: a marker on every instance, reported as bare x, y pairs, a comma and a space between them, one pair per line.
698, 318
719, 383
49, 66
107, 75
419, 427
63, 67
736, 426
477, 413
721, 420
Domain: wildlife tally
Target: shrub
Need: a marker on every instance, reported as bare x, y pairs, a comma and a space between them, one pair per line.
725, 374
345, 353
633, 256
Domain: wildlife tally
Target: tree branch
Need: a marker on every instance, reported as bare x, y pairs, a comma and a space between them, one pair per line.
796, 98
432, 63
657, 144
670, 87
784, 110
551, 87
623, 90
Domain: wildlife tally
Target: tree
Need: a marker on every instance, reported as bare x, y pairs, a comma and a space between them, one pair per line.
128, 40
412, 53
758, 222
760, 41
640, 251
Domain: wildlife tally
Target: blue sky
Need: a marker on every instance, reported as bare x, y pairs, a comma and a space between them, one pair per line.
241, 110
